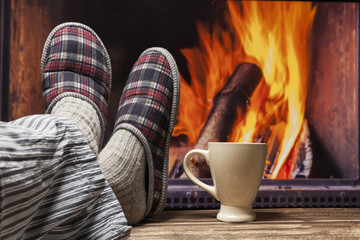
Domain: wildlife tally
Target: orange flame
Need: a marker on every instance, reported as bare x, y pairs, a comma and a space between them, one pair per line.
272, 35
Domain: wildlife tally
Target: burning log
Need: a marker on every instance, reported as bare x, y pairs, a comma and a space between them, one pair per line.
299, 162
303, 155
233, 96
179, 148
273, 153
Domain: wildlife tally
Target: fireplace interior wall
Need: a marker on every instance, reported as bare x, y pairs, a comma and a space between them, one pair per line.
332, 102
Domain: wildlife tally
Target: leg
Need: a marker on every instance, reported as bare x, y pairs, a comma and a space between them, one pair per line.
135, 160
51, 184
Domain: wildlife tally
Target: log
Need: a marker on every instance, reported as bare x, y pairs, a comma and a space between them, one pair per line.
271, 157
304, 155
219, 125
299, 161
178, 149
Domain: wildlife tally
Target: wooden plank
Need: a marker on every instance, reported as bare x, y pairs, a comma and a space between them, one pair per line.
277, 223
29, 29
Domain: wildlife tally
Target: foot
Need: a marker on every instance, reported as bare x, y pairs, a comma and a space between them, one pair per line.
148, 108
75, 64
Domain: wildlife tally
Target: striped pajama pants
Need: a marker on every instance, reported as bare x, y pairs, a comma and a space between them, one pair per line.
51, 186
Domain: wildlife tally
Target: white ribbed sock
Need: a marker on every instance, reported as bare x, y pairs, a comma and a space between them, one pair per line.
123, 163
84, 116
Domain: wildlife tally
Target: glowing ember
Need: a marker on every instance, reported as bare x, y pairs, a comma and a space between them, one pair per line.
272, 35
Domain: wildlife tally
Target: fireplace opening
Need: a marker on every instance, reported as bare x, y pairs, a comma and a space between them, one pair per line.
290, 68
304, 105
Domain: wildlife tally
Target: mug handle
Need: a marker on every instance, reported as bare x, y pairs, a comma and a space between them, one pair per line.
205, 154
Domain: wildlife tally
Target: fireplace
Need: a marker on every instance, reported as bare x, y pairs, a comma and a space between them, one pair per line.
319, 64
313, 155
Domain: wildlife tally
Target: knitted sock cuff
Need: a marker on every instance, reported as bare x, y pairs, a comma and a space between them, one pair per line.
84, 115
123, 164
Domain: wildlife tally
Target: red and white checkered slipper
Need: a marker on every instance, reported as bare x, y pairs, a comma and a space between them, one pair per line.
148, 107
76, 63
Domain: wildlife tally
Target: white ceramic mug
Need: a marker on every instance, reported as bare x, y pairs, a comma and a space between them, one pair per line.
236, 171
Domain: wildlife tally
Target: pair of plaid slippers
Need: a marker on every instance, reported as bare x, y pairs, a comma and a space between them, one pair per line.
75, 63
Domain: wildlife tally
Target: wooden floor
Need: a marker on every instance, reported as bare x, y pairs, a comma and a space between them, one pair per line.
276, 223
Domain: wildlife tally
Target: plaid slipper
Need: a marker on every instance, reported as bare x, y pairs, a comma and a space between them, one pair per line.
148, 107
75, 63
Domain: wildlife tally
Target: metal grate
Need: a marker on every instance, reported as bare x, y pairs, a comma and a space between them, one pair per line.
301, 198
189, 196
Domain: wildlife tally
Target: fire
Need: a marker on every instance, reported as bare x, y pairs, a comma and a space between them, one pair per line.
272, 35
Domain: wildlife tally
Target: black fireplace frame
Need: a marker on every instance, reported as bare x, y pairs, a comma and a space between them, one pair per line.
4, 58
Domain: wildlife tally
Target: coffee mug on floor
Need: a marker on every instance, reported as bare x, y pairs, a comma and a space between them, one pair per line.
236, 171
